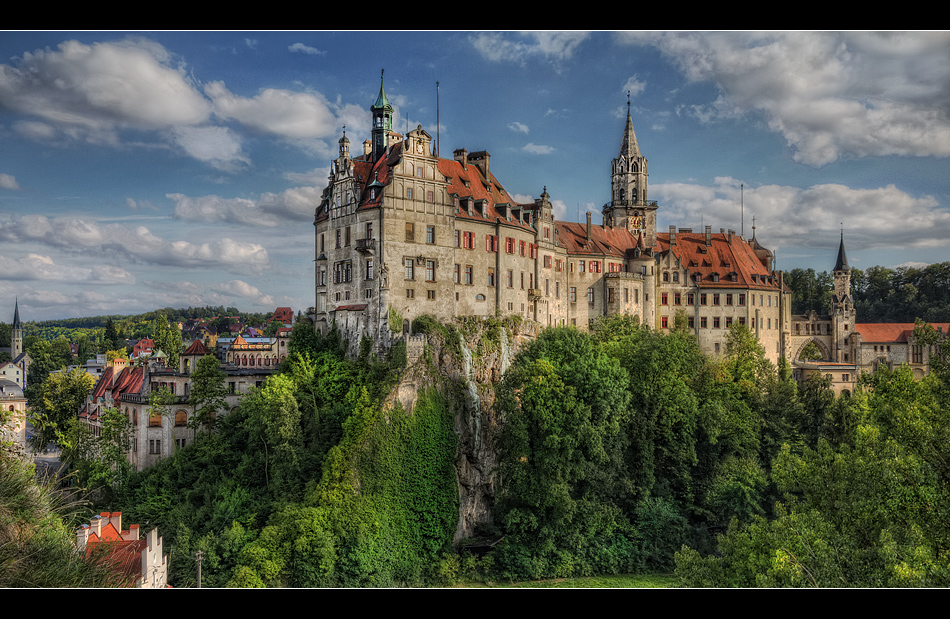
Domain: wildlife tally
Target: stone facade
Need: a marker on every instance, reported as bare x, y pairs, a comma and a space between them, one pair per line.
401, 232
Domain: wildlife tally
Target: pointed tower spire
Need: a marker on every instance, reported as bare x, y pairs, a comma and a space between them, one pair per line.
842, 263
16, 333
629, 147
16, 314
382, 120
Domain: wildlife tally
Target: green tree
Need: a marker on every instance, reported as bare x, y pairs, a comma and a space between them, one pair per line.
57, 401
168, 340
100, 462
208, 392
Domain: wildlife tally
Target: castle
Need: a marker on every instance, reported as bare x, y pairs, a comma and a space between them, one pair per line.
401, 232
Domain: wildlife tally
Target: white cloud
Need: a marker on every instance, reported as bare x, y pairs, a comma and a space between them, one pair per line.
134, 243
885, 217
537, 149
553, 47
828, 94
278, 112
306, 49
243, 290
295, 204
634, 86
90, 92
518, 127
216, 146
8, 181
37, 267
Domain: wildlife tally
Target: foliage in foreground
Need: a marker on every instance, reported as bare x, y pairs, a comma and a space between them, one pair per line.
37, 549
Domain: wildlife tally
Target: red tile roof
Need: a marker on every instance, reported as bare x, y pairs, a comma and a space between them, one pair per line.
197, 348
892, 332
723, 257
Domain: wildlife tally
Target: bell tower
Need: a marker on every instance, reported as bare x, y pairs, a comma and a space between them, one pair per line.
629, 206
842, 309
382, 121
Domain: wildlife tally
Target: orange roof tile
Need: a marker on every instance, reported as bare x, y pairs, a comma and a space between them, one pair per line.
892, 332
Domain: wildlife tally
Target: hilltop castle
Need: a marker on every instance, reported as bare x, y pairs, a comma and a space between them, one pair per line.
403, 232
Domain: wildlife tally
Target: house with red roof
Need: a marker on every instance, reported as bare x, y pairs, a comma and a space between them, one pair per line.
402, 231
136, 561
156, 435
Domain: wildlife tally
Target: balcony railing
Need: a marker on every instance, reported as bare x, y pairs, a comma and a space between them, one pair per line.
365, 245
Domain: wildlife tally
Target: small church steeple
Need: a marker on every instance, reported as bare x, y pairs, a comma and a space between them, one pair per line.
382, 121
16, 331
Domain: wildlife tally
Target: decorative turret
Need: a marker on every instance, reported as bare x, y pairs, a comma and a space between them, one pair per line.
382, 121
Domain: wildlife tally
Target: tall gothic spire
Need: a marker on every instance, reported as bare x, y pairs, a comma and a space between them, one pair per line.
842, 263
629, 147
16, 314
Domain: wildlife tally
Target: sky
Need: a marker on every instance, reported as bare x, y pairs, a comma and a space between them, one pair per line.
141, 170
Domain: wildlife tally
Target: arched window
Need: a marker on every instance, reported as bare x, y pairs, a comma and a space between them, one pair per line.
181, 418
155, 421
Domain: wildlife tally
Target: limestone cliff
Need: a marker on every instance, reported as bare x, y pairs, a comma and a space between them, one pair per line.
466, 360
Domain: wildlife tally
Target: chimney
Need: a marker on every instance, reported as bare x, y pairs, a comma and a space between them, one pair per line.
588, 226
133, 532
82, 535
367, 147
461, 155
672, 236
731, 232
708, 236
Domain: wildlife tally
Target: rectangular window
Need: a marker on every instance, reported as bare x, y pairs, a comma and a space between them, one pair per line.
690, 322
458, 239
728, 321
728, 299
458, 274
410, 232
677, 299
521, 245
663, 299
590, 296
690, 298
430, 235
339, 236
347, 236
573, 294
430, 197
716, 299
557, 290
509, 245
702, 322
664, 321
511, 278
557, 265
430, 294
469, 275
581, 266
741, 299
369, 269
610, 295
491, 276
595, 266
715, 322
410, 264
522, 280
430, 270
547, 262
410, 293
409, 192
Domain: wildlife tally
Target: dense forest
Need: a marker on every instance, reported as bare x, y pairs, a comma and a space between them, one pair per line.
621, 450
880, 294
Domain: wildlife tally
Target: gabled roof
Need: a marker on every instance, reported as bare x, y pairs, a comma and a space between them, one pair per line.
606, 241
722, 257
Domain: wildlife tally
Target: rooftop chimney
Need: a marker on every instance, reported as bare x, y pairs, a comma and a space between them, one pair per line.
672, 236
708, 236
588, 226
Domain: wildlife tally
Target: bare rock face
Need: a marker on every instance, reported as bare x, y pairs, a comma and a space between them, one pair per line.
467, 364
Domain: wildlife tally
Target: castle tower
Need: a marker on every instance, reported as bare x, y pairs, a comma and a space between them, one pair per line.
16, 333
382, 121
842, 309
629, 206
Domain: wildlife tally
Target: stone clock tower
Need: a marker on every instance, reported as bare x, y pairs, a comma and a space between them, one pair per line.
629, 206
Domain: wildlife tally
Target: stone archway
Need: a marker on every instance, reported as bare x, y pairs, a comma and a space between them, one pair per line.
825, 353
